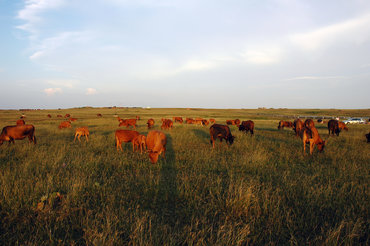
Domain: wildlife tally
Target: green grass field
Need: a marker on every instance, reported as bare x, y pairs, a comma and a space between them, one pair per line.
261, 190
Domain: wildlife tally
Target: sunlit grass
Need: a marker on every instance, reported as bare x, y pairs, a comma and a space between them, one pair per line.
260, 190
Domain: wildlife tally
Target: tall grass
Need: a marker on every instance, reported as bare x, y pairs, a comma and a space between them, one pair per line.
260, 190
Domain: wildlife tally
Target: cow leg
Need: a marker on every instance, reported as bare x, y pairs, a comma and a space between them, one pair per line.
312, 146
75, 137
87, 138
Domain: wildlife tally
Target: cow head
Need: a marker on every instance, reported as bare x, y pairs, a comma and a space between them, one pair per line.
241, 128
321, 145
231, 139
153, 156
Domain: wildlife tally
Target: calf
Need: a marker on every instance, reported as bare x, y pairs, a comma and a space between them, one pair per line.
311, 136
247, 126
156, 143
124, 136
333, 127
64, 124
82, 131
150, 123
283, 124
20, 122
11, 133
139, 142
221, 132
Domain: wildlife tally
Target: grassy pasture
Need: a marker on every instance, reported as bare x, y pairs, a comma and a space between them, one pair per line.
261, 190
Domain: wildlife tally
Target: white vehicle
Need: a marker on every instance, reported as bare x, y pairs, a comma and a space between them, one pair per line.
354, 121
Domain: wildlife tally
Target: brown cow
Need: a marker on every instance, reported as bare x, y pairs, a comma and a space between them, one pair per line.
167, 124
247, 126
221, 132
64, 124
156, 143
150, 123
311, 136
178, 119
233, 122
283, 124
342, 126
67, 116
20, 122
49, 115
99, 115
125, 136
297, 126
128, 122
72, 119
309, 123
139, 142
333, 127
189, 121
212, 121
11, 133
59, 116
82, 131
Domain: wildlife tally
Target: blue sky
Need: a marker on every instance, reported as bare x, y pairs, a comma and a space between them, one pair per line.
193, 53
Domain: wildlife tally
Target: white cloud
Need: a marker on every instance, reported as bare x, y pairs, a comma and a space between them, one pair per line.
355, 31
68, 83
52, 91
262, 55
91, 91
32, 10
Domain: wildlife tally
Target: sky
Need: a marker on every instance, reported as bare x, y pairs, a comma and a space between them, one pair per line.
185, 53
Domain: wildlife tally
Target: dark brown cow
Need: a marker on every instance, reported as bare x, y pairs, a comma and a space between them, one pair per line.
178, 119
125, 136
128, 122
150, 123
20, 122
64, 124
99, 115
220, 132
247, 126
11, 133
283, 124
333, 127
309, 123
167, 124
233, 122
368, 137
311, 136
49, 115
156, 143
297, 126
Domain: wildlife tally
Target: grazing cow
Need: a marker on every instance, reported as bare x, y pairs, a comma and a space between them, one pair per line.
167, 124
205, 122
311, 136
333, 127
59, 116
247, 126
72, 119
221, 132
64, 124
283, 124
99, 115
156, 143
20, 122
150, 123
233, 122
125, 136
67, 116
198, 122
368, 137
49, 115
189, 121
128, 122
342, 126
212, 121
178, 119
11, 133
309, 123
297, 126
82, 131
139, 142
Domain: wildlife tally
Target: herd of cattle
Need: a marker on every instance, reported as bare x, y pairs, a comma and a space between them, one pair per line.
155, 142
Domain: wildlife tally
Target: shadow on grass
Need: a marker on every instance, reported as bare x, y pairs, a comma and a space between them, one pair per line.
201, 134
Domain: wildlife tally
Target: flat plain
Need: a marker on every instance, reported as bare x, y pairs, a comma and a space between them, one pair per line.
260, 190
